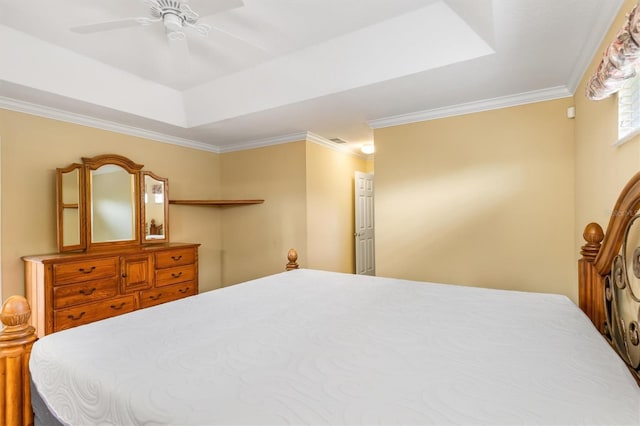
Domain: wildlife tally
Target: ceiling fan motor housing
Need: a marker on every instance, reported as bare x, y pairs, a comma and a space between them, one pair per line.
173, 13
172, 21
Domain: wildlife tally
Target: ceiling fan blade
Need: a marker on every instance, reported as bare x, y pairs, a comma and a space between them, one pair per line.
212, 7
105, 26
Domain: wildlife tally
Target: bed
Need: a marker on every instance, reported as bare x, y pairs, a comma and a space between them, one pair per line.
315, 347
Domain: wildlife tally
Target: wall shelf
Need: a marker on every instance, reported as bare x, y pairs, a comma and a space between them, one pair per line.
215, 202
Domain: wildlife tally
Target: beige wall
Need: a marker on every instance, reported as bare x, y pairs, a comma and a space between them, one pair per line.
330, 208
308, 193
238, 243
484, 199
256, 238
496, 180
32, 148
602, 169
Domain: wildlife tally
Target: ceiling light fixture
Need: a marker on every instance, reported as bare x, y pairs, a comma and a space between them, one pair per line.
368, 148
174, 15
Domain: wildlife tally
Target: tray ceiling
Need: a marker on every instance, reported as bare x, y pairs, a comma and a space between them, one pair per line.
272, 70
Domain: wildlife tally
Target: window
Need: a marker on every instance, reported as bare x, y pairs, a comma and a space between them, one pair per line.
629, 109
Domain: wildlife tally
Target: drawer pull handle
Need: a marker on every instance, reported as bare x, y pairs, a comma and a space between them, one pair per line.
118, 307
156, 297
178, 275
71, 317
184, 290
87, 271
176, 258
87, 292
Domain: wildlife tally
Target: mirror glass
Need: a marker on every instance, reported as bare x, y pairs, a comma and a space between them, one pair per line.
112, 204
70, 208
155, 202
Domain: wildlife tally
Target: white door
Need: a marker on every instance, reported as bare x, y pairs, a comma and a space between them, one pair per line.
365, 230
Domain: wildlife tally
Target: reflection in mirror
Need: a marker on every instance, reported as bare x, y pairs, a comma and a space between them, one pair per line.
70, 207
155, 204
112, 204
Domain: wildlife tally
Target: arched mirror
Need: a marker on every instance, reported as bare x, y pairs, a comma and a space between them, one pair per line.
155, 208
101, 204
112, 209
113, 206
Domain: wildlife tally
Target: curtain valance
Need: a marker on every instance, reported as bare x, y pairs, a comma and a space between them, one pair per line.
620, 60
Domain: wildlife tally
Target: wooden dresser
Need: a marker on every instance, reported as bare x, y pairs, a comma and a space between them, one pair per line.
70, 289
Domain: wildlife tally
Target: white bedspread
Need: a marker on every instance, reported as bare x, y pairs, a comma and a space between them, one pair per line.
311, 347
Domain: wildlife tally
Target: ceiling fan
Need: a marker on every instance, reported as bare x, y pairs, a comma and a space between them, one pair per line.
175, 15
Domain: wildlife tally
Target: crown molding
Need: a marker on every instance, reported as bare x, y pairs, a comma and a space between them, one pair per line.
84, 120
293, 137
472, 107
317, 139
261, 143
468, 108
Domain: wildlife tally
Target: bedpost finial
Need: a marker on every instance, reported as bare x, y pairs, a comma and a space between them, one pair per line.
15, 312
593, 235
292, 255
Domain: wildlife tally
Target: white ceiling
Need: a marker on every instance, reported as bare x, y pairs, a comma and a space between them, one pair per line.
272, 70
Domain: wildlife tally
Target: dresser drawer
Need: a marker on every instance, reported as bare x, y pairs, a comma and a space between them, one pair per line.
90, 291
174, 275
73, 272
169, 259
83, 314
166, 294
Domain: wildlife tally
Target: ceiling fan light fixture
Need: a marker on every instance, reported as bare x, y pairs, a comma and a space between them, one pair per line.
172, 22
175, 15
176, 35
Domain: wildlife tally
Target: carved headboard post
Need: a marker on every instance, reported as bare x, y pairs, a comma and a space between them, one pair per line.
16, 340
591, 286
292, 256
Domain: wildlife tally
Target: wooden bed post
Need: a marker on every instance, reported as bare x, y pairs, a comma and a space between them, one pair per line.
293, 260
16, 340
598, 253
591, 285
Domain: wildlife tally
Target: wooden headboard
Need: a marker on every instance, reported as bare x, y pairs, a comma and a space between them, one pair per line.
609, 276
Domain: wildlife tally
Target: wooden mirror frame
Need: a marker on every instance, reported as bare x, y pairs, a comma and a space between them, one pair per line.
94, 163
144, 221
88, 165
62, 206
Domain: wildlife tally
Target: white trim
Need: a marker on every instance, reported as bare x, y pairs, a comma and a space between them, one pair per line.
485, 105
84, 120
472, 107
626, 138
327, 143
293, 137
261, 143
